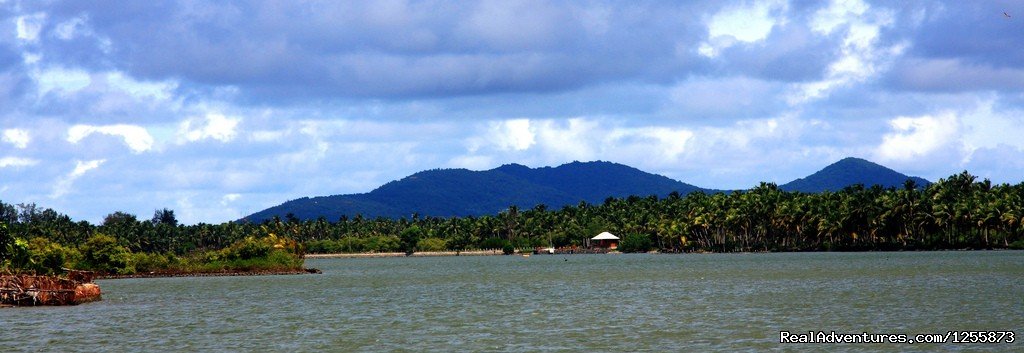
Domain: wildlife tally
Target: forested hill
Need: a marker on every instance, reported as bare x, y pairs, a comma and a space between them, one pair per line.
850, 171
461, 192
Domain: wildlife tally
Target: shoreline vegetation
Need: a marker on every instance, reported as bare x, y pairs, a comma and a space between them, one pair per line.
959, 212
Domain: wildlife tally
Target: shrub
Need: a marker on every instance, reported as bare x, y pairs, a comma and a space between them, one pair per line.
152, 262
101, 253
389, 243
321, 246
6, 244
508, 249
431, 244
636, 243
349, 245
49, 258
493, 243
410, 237
1017, 245
249, 248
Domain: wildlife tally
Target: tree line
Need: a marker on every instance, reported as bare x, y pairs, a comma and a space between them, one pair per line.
957, 212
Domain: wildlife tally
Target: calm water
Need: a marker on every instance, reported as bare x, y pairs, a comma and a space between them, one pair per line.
613, 303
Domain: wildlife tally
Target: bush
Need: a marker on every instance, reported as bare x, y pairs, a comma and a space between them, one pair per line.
48, 258
321, 246
269, 253
1017, 245
431, 244
349, 245
410, 237
101, 253
6, 244
153, 262
508, 249
18, 255
382, 244
249, 248
636, 243
493, 243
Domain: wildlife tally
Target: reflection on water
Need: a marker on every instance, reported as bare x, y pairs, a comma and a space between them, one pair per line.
588, 303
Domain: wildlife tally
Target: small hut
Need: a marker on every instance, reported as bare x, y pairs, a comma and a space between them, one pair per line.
606, 240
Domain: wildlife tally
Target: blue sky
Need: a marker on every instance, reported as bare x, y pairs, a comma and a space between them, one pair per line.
220, 109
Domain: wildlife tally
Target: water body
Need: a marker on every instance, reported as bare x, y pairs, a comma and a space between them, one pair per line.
590, 303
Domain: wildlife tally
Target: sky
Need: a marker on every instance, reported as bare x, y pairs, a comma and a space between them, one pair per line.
220, 109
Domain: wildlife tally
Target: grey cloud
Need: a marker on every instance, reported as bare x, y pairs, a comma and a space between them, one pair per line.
387, 49
791, 53
954, 75
974, 31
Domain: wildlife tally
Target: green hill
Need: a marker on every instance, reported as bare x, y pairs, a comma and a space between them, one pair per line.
461, 192
850, 171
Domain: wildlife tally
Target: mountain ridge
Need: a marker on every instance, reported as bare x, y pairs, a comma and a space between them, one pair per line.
463, 192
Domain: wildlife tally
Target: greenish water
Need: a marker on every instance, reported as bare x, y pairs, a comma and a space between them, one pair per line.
590, 303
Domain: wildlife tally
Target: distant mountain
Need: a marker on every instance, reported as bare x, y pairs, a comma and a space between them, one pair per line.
850, 171
461, 192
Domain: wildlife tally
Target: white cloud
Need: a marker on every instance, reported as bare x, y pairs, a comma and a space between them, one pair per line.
214, 126
17, 137
137, 138
17, 162
61, 79
29, 26
839, 12
985, 128
566, 141
748, 23
663, 144
918, 136
63, 185
513, 135
229, 198
162, 90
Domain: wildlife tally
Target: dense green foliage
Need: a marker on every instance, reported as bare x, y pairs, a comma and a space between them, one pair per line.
954, 213
636, 243
123, 245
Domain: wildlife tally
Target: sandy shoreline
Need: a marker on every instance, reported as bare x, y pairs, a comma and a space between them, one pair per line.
402, 254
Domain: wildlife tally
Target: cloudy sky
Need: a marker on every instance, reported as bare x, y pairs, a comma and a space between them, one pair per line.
220, 109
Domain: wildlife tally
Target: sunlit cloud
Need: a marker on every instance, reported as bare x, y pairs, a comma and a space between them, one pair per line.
513, 134
914, 137
15, 162
29, 26
213, 126
17, 137
137, 138
746, 23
